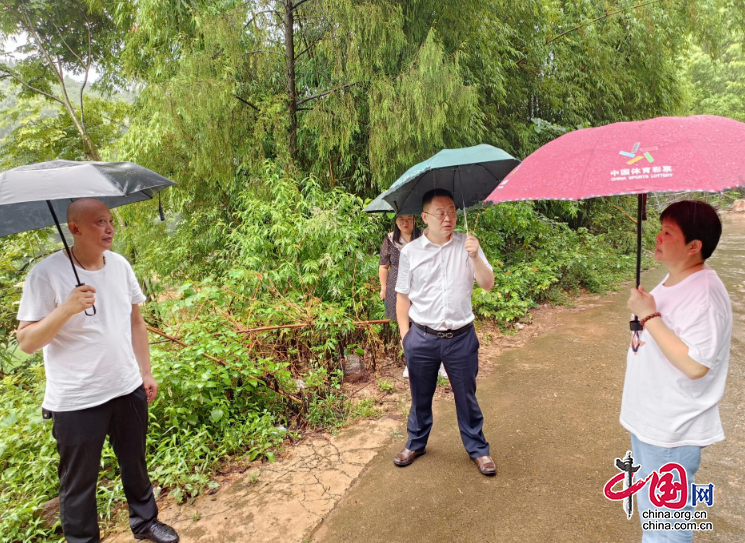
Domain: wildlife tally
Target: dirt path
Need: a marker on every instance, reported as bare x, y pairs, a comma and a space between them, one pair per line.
551, 398
283, 501
551, 411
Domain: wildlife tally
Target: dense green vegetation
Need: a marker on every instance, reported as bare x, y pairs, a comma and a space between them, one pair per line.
276, 148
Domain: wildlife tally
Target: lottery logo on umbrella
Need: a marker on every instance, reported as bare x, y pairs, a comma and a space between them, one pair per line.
643, 153
636, 154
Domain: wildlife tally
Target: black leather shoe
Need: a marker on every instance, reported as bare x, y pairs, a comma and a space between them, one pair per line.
159, 533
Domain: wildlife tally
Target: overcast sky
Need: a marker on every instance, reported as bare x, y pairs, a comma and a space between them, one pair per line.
12, 43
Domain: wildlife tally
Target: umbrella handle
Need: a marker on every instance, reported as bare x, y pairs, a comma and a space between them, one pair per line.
463, 199
92, 307
641, 215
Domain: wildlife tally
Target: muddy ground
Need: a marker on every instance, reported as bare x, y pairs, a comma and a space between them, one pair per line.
551, 398
551, 411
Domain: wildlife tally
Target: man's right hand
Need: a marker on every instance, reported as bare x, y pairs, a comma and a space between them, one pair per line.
403, 335
80, 299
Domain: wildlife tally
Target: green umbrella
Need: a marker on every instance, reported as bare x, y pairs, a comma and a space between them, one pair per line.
470, 174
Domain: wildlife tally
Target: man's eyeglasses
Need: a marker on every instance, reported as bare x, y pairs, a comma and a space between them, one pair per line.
440, 214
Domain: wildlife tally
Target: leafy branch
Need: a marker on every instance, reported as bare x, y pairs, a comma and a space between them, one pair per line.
606, 16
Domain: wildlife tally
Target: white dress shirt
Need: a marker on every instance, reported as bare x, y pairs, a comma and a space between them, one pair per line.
439, 281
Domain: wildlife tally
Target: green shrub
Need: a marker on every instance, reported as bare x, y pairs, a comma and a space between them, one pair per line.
28, 456
292, 254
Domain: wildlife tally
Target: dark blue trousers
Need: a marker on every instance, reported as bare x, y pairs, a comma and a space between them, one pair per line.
460, 355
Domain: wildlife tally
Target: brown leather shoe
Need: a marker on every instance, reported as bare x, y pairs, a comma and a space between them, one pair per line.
406, 457
486, 465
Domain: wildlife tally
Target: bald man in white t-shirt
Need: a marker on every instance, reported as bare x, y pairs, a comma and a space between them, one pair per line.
97, 366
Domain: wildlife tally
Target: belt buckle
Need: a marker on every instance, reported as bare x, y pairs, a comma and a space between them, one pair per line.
445, 335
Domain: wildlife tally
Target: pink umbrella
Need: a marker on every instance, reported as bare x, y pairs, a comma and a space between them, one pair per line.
700, 153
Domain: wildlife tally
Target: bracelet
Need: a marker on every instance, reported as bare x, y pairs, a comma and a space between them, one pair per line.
645, 319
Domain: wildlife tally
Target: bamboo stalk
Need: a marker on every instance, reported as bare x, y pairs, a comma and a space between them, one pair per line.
622, 211
308, 325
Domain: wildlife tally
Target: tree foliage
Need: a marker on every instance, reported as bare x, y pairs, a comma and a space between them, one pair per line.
39, 132
61, 37
719, 83
279, 119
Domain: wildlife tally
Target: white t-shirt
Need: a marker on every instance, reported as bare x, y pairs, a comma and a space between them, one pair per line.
91, 359
439, 281
662, 406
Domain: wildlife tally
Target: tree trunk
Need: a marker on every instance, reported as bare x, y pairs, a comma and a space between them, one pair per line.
89, 148
289, 29
91, 152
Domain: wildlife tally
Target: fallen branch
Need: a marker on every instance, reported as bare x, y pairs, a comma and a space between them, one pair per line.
622, 211
176, 340
179, 342
309, 325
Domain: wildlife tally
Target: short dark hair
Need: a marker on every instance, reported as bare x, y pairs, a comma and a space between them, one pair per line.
434, 193
697, 220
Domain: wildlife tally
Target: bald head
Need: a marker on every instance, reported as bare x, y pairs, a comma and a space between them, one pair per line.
82, 209
91, 224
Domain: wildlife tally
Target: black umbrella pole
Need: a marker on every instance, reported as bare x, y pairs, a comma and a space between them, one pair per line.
641, 215
69, 253
64, 242
639, 218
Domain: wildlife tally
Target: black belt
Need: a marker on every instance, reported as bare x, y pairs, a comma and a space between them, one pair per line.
444, 334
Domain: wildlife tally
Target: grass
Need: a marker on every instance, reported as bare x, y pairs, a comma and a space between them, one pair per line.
386, 385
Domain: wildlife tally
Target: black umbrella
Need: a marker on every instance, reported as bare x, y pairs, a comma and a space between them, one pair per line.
33, 196
470, 174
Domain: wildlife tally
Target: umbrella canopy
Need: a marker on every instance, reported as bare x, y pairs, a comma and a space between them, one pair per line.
699, 153
33, 196
25, 191
470, 174
702, 153
378, 205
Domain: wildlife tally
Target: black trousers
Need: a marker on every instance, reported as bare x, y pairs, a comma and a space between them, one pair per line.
460, 355
80, 436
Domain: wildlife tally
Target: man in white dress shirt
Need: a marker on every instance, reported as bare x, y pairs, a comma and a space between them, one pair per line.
435, 282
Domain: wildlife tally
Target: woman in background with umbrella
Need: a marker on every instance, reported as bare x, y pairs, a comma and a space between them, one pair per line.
404, 230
